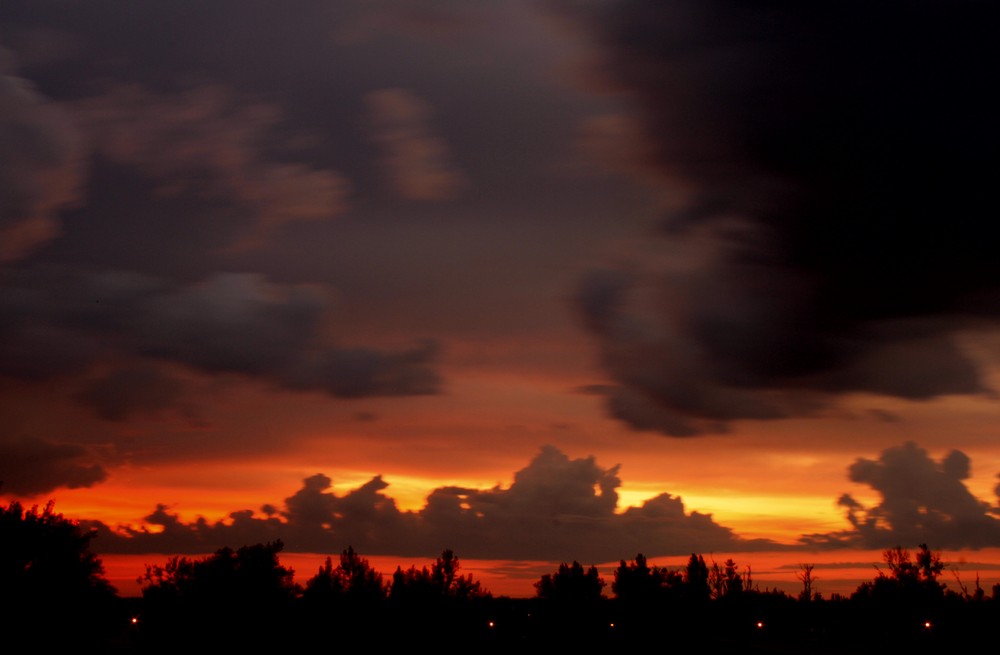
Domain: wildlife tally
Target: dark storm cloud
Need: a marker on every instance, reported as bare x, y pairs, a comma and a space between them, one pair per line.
923, 501
556, 507
30, 466
58, 323
840, 159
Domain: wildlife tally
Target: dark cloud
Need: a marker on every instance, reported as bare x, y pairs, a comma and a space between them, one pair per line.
415, 159
30, 466
58, 323
556, 507
41, 166
840, 159
128, 391
923, 501
209, 142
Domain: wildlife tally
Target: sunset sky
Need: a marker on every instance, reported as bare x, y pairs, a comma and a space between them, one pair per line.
532, 280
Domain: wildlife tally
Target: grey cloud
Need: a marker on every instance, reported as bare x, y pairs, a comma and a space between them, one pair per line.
923, 501
556, 507
133, 390
210, 142
360, 372
415, 159
41, 167
230, 322
839, 168
240, 323
30, 466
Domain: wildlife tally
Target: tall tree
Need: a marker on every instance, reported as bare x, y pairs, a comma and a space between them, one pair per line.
808, 579
696, 579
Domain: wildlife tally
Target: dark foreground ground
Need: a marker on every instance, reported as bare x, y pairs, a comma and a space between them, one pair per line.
504, 625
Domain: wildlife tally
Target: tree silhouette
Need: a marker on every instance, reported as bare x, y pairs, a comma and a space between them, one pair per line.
232, 597
440, 581
42, 552
725, 581
251, 574
898, 605
639, 585
571, 584
348, 598
696, 579
928, 564
806, 577
917, 576
572, 607
49, 577
437, 605
244, 600
353, 582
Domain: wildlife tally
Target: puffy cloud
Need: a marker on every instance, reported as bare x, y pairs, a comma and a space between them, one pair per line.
240, 323
41, 166
30, 466
555, 508
923, 501
838, 169
559, 508
416, 160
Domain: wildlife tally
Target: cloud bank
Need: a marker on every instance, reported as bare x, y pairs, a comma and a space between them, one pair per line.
556, 508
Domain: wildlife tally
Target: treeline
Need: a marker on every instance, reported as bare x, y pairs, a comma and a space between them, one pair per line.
244, 599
